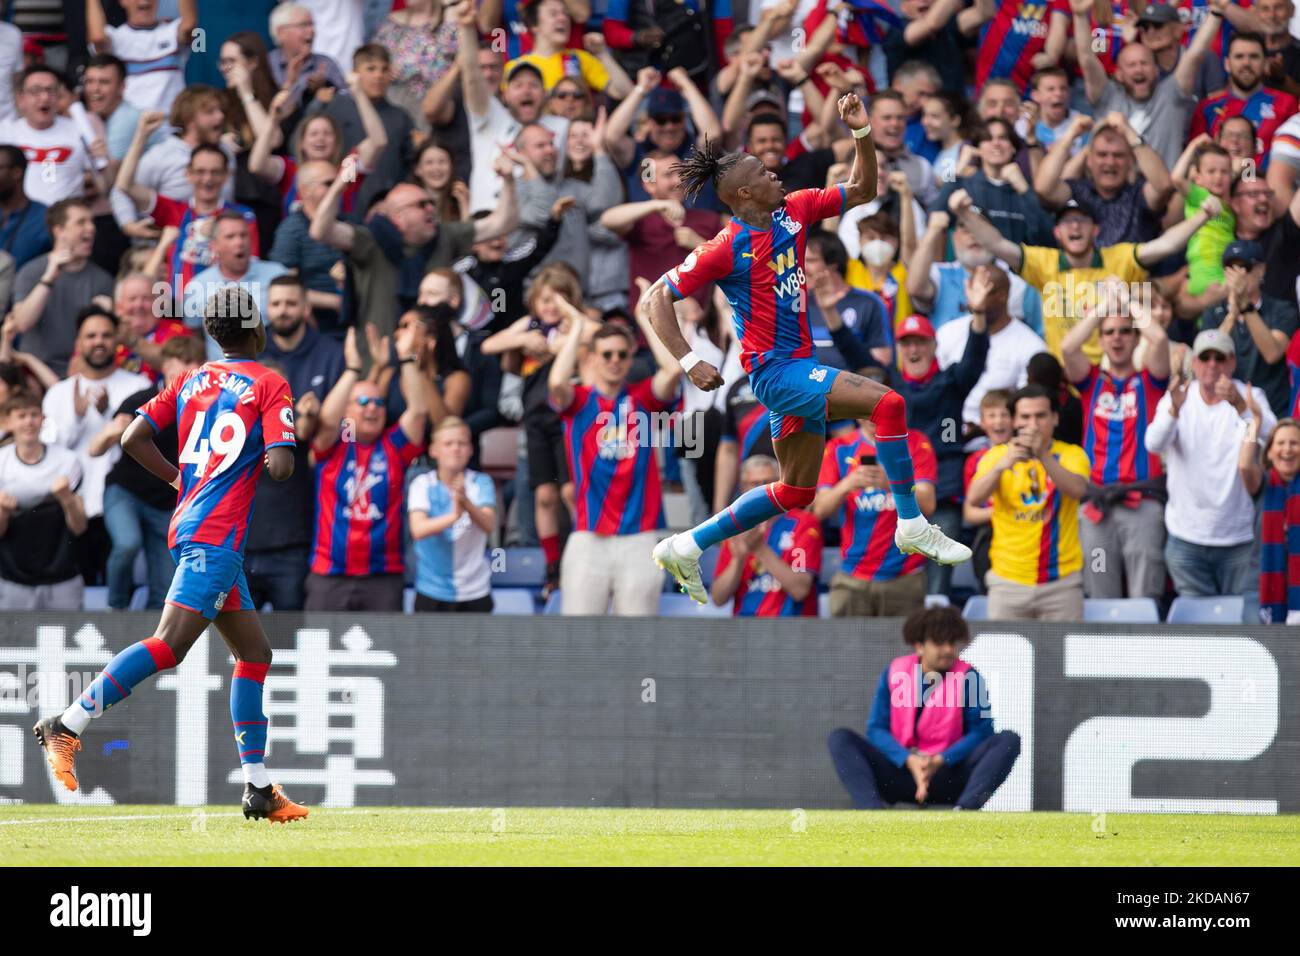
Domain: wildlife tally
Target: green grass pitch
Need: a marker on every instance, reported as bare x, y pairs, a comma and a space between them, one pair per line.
47, 835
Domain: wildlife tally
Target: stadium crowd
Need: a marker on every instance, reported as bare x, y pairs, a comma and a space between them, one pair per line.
1080, 272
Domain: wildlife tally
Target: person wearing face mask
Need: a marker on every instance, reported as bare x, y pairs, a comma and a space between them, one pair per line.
1000, 189
1274, 484
938, 289
879, 267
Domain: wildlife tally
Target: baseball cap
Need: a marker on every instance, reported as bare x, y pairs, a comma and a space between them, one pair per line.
1214, 340
1073, 205
763, 96
663, 101
520, 65
1246, 252
1159, 13
917, 325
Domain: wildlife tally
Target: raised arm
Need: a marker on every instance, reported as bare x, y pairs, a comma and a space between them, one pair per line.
1176, 238
1094, 74
372, 147
624, 216
505, 218
971, 18
985, 233
1189, 64
1157, 361
1077, 365
618, 139
619, 83
414, 384
473, 86
97, 27
706, 120
559, 382
439, 104
920, 288
188, 22
336, 402
325, 226
733, 111
935, 19
863, 177
1178, 175
142, 196
1049, 179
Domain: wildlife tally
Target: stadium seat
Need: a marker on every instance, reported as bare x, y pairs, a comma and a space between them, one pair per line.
677, 511
1133, 610
963, 577
513, 601
553, 603
708, 569
831, 560
521, 568
95, 599
937, 600
679, 605
139, 599
498, 452
977, 608
1226, 609
823, 605
408, 600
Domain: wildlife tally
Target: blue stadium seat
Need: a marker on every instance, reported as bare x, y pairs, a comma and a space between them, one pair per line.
139, 599
520, 568
552, 603
977, 608
95, 599
408, 600
679, 605
1132, 610
1206, 610
823, 605
937, 600
831, 560
708, 567
963, 577
513, 601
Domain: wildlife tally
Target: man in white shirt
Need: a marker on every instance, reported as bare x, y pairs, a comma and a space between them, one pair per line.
494, 122
76, 410
57, 159
1011, 345
1199, 427
11, 61
340, 27
155, 51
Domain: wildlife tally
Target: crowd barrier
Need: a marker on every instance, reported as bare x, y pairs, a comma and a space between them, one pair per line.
478, 710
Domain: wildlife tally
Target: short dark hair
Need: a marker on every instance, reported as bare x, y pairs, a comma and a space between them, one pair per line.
936, 624
18, 399
101, 60
767, 119
984, 132
38, 68
286, 278
611, 329
95, 312
371, 51
208, 148
16, 156
1247, 37
831, 250
225, 313
1043, 74
1031, 391
230, 215
57, 214
884, 95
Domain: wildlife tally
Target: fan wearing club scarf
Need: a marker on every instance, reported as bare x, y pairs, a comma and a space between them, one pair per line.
935, 397
1279, 490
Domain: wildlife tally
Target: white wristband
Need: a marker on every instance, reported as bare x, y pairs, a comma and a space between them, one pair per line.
862, 133
689, 361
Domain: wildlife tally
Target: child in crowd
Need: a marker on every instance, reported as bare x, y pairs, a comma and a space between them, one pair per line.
995, 423
1205, 169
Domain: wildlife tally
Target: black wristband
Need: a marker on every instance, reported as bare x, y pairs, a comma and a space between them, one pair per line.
1216, 13
407, 361
354, 371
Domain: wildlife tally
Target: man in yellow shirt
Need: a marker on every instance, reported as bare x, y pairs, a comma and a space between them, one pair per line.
1035, 483
551, 26
1069, 277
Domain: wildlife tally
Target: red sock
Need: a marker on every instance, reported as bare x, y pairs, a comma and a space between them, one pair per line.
890, 416
551, 548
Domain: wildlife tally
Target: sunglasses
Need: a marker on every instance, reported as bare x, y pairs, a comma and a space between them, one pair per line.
1107, 333
420, 204
1218, 357
614, 355
668, 119
567, 95
367, 400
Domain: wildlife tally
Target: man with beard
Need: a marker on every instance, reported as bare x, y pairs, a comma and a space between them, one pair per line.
294, 248
1128, 208
310, 362
495, 120
1255, 206
23, 233
1156, 108
77, 409
1282, 68
1246, 95
50, 289
938, 289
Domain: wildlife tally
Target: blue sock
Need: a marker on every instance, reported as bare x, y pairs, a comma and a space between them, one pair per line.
748, 511
246, 711
896, 459
132, 665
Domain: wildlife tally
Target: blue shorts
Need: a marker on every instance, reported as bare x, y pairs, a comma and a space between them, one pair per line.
795, 393
208, 580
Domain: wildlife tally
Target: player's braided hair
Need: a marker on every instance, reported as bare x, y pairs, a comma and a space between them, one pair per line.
704, 164
230, 314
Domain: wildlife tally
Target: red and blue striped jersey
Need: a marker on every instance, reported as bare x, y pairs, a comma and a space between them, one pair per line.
359, 505
797, 537
870, 519
190, 253
1267, 108
227, 414
288, 186
1016, 34
761, 273
1116, 415
609, 443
